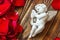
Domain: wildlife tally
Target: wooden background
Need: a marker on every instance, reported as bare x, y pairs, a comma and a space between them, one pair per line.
52, 28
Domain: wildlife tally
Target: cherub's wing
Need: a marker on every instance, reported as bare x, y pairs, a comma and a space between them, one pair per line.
33, 13
51, 14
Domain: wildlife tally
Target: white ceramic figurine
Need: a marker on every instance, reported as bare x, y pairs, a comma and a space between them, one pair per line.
39, 19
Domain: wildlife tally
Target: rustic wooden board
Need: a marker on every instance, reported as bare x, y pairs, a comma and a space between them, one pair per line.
52, 28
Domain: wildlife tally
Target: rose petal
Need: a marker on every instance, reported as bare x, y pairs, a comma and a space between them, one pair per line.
56, 4
19, 2
57, 38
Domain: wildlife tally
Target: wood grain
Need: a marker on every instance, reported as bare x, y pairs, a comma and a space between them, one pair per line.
28, 12
41, 35
27, 19
27, 4
52, 28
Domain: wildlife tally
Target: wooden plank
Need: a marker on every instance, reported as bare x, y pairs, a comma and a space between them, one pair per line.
28, 12
27, 17
28, 2
53, 28
42, 35
27, 31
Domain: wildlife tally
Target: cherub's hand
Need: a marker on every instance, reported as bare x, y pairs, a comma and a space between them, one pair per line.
33, 13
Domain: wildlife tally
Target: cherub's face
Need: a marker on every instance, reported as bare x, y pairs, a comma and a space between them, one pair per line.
40, 8
4, 6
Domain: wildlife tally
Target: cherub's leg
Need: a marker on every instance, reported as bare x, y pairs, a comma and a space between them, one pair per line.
32, 31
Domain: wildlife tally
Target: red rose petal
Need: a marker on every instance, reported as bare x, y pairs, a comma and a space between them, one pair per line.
13, 16
57, 38
4, 26
19, 29
56, 4
4, 7
19, 2
14, 24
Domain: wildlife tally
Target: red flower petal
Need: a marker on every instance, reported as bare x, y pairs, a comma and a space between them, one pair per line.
2, 37
3, 26
13, 16
4, 7
19, 2
19, 29
57, 38
14, 24
56, 4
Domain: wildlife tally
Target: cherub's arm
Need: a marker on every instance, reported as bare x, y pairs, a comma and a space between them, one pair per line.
41, 15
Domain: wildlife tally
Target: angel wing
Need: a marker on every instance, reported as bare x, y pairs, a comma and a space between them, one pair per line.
51, 14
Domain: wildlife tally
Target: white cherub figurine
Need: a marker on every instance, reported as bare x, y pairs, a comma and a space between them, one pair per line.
39, 19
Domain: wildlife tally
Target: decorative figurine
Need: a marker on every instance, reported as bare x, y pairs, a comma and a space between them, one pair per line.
39, 19
9, 28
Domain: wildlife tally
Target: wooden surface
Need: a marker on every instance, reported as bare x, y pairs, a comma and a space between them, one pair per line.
52, 28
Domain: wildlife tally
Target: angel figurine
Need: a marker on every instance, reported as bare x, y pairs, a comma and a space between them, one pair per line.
39, 17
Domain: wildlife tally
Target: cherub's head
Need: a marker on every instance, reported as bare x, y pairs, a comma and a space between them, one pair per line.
40, 8
4, 6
